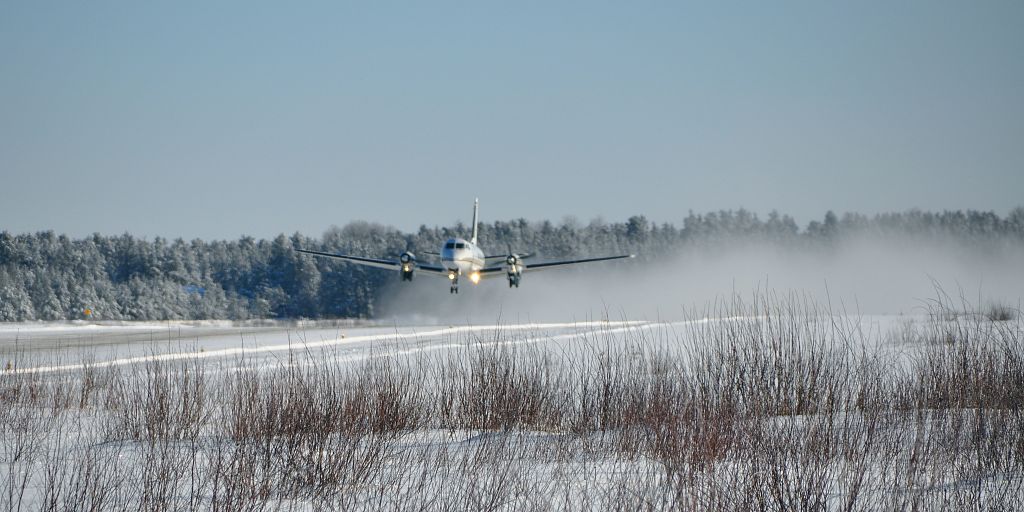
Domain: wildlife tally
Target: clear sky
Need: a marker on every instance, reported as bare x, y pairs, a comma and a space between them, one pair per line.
216, 119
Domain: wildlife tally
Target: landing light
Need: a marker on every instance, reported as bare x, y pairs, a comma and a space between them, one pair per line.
405, 268
475, 277
451, 275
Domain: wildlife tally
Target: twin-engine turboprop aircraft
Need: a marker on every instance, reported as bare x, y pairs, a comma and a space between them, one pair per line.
460, 257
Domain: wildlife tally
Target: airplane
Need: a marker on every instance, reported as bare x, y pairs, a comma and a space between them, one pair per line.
461, 257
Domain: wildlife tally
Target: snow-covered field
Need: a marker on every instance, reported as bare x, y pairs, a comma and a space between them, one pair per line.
776, 405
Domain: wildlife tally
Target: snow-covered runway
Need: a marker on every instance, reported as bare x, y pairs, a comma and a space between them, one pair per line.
67, 347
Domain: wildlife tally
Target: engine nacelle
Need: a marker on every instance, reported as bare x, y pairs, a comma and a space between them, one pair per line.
408, 261
514, 269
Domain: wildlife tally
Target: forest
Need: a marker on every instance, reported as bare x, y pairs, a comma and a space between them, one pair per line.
49, 276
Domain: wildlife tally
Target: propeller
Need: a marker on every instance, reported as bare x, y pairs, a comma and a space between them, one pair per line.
515, 259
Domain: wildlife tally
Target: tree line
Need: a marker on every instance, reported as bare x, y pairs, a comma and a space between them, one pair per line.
46, 276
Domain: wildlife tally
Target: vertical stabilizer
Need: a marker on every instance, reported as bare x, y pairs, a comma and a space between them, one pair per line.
476, 211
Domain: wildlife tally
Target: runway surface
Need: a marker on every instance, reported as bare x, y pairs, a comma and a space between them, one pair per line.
60, 347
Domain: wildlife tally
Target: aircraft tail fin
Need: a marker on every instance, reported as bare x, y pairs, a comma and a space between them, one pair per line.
476, 211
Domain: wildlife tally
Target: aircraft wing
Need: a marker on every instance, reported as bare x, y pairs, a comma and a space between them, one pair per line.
379, 263
495, 270
503, 256
549, 264
437, 270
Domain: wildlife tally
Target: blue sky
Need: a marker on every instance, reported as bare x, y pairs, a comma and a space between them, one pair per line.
198, 120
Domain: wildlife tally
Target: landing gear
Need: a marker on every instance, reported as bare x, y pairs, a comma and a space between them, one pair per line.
454, 277
513, 280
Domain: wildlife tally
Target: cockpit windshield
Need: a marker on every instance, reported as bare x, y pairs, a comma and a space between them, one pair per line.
460, 245
449, 245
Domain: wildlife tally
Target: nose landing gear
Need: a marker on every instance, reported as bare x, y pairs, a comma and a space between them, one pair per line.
454, 278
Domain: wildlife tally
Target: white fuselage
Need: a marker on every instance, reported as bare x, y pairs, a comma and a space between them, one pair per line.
461, 256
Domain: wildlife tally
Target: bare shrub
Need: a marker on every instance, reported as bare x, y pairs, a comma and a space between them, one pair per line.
997, 312
776, 404
160, 402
